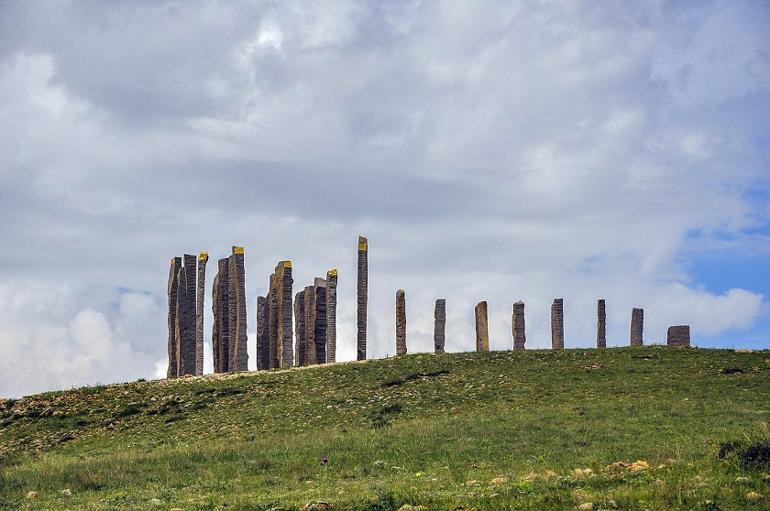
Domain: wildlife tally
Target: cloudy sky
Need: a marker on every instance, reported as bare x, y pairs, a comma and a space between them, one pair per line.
489, 150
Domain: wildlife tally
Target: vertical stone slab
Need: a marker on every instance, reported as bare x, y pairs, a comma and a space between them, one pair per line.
557, 324
400, 323
518, 326
601, 324
299, 329
310, 319
439, 325
239, 349
263, 342
678, 335
331, 316
362, 290
482, 327
284, 335
203, 258
173, 284
319, 285
220, 333
637, 327
186, 296
272, 324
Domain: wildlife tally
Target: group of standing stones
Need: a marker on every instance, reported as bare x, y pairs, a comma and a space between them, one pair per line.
310, 319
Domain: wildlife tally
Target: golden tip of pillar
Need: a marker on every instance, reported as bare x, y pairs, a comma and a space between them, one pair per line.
237, 250
286, 264
332, 272
362, 243
203, 256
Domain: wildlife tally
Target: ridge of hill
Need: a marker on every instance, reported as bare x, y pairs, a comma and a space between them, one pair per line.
619, 428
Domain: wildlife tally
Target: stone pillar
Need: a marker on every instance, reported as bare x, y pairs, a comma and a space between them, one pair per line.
220, 332
310, 319
517, 325
263, 342
557, 324
173, 284
185, 317
400, 323
601, 324
239, 351
678, 335
482, 327
637, 327
283, 302
439, 325
203, 258
320, 320
363, 296
300, 346
331, 316
272, 324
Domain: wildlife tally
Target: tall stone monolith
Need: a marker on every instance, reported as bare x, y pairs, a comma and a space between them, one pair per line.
557, 324
220, 331
637, 327
173, 284
263, 342
239, 350
362, 291
300, 342
439, 325
518, 327
185, 317
310, 320
203, 258
482, 327
319, 337
331, 316
601, 324
285, 316
272, 324
678, 335
400, 323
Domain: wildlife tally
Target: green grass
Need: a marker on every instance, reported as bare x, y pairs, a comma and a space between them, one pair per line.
496, 430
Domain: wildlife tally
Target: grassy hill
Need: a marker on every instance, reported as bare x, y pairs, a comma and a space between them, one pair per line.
626, 428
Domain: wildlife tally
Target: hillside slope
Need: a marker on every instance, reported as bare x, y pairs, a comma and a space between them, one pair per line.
530, 430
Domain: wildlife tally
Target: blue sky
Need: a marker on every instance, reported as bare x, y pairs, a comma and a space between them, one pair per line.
490, 151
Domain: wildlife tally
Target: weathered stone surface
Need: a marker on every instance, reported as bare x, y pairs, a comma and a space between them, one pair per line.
239, 351
482, 327
331, 316
263, 342
439, 325
272, 323
362, 297
678, 335
601, 324
220, 332
319, 336
518, 326
557, 324
203, 258
173, 284
185, 317
300, 342
283, 301
310, 319
400, 323
637, 327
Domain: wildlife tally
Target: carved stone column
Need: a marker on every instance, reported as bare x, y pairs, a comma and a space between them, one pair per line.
239, 354
331, 316
185, 317
637, 327
272, 324
173, 285
400, 323
263, 342
517, 324
310, 330
203, 258
557, 324
362, 296
220, 332
283, 300
482, 327
601, 324
439, 325
300, 346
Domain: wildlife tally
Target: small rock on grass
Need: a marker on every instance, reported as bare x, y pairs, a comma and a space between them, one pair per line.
753, 496
31, 495
66, 492
586, 506
317, 506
